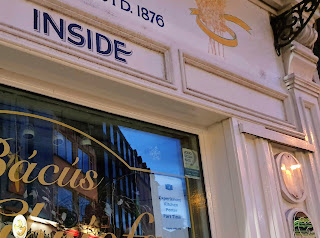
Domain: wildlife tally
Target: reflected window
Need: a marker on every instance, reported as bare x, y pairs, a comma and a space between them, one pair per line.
63, 146
83, 161
111, 134
106, 164
64, 199
119, 142
117, 216
83, 205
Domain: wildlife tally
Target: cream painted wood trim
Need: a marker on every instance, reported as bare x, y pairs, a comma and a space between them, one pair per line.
269, 183
294, 82
240, 178
234, 77
312, 201
262, 132
204, 141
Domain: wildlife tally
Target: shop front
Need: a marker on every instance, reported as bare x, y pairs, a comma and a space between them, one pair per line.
171, 119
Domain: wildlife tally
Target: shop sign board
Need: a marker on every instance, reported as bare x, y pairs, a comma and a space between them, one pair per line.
88, 42
220, 29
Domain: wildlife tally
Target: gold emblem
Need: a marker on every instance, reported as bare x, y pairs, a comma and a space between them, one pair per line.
19, 227
211, 19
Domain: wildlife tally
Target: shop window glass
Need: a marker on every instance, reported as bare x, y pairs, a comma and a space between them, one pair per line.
127, 186
125, 151
83, 205
83, 161
132, 191
63, 147
117, 216
106, 164
64, 199
129, 219
114, 171
123, 219
151, 170
121, 179
119, 142
111, 134
129, 157
104, 128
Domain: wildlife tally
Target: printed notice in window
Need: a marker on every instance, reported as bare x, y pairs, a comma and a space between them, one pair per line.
191, 163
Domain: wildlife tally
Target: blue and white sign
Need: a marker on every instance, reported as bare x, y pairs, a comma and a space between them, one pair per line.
170, 206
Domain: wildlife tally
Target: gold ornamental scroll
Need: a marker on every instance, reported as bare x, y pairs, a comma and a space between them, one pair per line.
233, 42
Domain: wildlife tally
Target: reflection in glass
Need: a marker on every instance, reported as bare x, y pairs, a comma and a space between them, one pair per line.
130, 170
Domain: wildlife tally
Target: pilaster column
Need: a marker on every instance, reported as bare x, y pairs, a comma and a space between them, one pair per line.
300, 65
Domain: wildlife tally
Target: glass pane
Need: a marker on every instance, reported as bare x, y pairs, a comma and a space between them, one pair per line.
80, 165
69, 151
85, 162
62, 147
128, 171
83, 205
106, 164
64, 198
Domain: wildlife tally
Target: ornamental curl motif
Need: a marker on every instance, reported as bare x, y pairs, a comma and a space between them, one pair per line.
287, 26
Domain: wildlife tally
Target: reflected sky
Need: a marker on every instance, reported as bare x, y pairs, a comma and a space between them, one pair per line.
160, 153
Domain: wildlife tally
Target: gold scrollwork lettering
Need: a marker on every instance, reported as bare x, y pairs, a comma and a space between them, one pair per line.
13, 172
23, 210
6, 147
43, 172
89, 179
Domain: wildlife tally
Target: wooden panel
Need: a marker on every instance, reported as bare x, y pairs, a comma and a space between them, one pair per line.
220, 85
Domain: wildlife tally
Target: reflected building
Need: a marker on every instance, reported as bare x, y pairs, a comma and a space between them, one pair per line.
127, 192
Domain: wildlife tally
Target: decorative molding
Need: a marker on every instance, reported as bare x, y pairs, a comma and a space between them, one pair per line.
234, 77
293, 133
261, 131
295, 82
308, 36
299, 60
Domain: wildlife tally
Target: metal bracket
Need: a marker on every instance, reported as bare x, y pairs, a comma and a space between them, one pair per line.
287, 26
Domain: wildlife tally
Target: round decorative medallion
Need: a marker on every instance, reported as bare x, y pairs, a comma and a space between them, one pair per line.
291, 178
300, 224
19, 227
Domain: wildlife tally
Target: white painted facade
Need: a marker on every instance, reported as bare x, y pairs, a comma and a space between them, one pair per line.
246, 105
